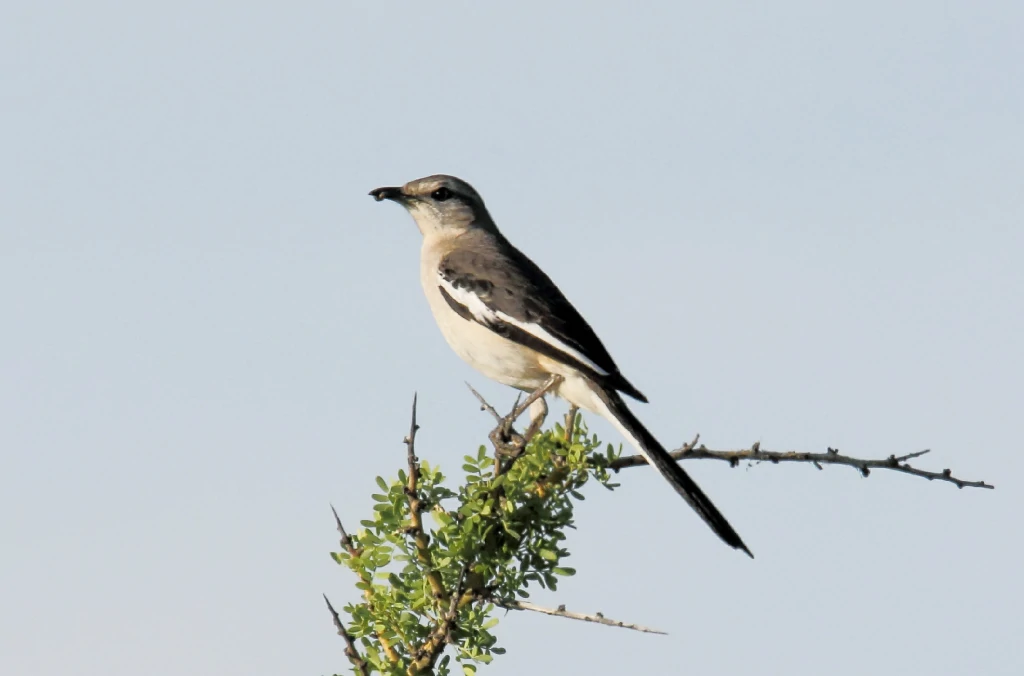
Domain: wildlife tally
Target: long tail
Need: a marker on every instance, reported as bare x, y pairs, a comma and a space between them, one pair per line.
627, 423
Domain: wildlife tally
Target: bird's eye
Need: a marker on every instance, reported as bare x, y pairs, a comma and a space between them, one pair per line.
441, 194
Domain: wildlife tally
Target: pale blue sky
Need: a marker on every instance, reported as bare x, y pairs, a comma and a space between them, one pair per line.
793, 222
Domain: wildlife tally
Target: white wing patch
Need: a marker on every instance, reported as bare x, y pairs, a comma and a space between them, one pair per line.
485, 315
469, 300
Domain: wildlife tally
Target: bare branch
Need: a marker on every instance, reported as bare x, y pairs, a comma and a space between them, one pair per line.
350, 647
832, 456
512, 604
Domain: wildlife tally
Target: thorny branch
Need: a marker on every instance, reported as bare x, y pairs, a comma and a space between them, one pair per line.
350, 647
510, 445
426, 656
346, 542
419, 535
832, 456
560, 611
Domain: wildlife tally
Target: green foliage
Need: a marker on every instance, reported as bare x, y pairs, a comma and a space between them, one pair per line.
501, 532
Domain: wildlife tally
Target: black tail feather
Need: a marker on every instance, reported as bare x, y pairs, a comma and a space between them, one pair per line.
673, 472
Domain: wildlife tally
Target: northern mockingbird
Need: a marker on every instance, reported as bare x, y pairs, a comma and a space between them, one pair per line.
508, 320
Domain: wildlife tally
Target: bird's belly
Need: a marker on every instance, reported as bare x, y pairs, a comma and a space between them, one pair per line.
497, 358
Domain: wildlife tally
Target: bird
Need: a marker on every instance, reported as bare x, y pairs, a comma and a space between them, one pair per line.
504, 316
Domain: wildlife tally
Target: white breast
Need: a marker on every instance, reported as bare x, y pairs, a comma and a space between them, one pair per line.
495, 357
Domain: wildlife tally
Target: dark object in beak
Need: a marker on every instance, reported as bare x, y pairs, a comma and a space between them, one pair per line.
380, 194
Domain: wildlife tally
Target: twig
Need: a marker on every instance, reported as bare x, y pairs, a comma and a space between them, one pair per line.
484, 406
426, 656
367, 580
512, 604
830, 457
415, 529
350, 647
346, 541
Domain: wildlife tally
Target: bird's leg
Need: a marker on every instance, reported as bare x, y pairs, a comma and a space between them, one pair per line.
537, 406
538, 412
506, 440
570, 423
538, 395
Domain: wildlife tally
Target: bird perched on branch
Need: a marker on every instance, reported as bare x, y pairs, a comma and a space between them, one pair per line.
508, 320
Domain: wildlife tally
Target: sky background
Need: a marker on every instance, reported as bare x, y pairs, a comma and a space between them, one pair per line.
794, 222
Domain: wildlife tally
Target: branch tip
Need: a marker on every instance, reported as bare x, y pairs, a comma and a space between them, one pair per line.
560, 611
350, 647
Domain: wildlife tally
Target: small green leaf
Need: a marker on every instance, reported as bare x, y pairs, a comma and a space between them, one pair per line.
383, 484
548, 555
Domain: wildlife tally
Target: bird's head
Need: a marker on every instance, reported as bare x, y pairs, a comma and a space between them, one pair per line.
441, 205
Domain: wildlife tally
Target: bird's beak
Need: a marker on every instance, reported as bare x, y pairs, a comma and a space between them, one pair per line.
393, 194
